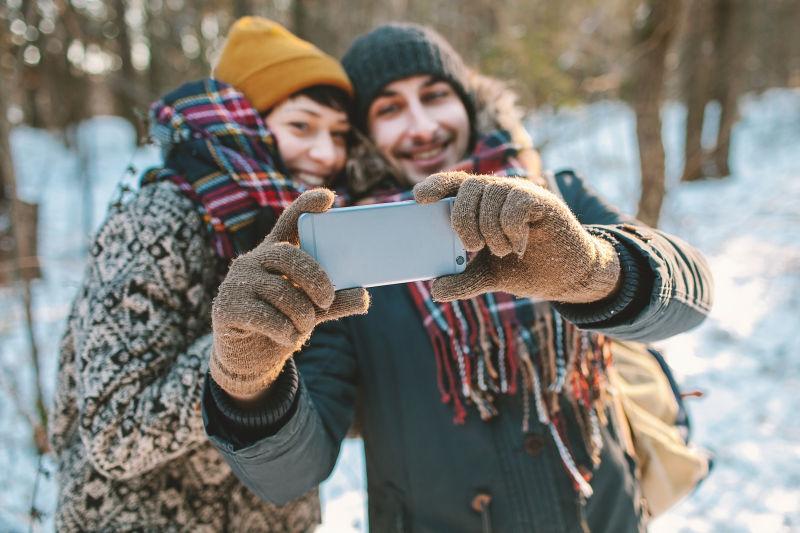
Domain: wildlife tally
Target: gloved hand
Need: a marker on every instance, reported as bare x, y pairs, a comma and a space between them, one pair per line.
529, 242
270, 302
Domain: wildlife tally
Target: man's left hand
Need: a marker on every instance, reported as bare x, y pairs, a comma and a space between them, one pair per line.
528, 242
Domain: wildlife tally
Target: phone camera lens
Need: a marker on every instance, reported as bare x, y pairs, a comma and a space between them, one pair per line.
459, 260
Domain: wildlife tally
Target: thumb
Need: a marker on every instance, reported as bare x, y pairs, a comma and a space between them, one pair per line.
313, 201
438, 186
476, 279
346, 302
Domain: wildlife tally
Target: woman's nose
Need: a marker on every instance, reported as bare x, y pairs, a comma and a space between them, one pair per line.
323, 149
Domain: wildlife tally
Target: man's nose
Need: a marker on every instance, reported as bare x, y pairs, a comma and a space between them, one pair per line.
421, 125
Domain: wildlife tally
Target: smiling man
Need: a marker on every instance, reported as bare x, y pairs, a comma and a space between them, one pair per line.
484, 395
420, 124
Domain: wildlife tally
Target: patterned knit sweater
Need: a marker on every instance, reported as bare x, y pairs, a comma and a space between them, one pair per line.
126, 426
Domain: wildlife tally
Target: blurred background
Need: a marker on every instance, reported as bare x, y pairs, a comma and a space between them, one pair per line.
683, 112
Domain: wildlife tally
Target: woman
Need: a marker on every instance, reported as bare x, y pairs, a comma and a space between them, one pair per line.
126, 426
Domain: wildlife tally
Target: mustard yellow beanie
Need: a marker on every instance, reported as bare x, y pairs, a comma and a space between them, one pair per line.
268, 63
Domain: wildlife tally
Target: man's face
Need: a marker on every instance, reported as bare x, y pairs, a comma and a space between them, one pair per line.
419, 124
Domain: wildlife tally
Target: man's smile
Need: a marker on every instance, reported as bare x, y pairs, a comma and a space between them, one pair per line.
424, 155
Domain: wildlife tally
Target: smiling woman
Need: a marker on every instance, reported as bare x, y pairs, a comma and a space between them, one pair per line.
127, 428
303, 94
312, 131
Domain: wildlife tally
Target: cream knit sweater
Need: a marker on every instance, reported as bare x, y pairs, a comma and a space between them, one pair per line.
126, 427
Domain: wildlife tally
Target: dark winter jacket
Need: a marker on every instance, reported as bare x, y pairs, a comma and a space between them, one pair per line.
424, 473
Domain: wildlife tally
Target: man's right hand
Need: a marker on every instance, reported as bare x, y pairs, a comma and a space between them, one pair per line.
270, 302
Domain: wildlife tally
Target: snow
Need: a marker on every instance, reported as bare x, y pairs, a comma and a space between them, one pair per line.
745, 356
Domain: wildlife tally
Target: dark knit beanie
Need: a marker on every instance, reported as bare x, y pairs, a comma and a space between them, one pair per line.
399, 50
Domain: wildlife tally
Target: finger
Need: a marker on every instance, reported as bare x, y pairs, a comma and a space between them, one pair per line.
347, 302
313, 201
464, 216
302, 270
476, 279
515, 218
438, 186
286, 298
245, 316
492, 201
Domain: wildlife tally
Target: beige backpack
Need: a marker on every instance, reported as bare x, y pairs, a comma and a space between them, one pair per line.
654, 426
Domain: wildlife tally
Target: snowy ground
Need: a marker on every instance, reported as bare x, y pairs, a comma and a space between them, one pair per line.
745, 356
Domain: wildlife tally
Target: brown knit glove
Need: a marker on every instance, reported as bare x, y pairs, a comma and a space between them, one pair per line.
269, 303
554, 257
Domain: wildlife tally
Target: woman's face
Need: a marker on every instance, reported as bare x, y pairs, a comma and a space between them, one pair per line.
312, 139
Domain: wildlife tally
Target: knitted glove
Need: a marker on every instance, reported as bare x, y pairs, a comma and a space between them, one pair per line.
269, 303
554, 257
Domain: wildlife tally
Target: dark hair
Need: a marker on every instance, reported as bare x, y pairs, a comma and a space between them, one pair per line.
329, 96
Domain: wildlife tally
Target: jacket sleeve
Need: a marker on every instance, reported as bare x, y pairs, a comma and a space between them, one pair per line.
280, 458
137, 335
667, 286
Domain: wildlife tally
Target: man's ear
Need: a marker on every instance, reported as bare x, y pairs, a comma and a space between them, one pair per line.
532, 162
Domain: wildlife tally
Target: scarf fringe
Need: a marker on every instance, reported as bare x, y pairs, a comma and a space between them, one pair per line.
491, 353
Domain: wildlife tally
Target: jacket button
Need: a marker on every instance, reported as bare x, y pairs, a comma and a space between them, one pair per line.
480, 503
533, 444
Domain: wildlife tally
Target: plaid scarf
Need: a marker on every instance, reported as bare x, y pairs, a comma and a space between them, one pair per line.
497, 344
220, 154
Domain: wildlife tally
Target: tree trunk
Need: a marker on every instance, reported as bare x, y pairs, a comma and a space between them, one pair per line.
160, 74
66, 87
21, 264
30, 76
242, 8
125, 83
697, 63
18, 259
652, 42
31, 86
730, 49
300, 19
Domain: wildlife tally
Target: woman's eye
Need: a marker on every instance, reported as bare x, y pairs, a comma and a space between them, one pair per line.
341, 136
301, 127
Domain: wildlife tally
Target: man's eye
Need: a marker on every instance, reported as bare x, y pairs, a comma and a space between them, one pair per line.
432, 96
386, 109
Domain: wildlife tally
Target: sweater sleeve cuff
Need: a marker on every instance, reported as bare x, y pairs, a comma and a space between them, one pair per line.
633, 294
264, 419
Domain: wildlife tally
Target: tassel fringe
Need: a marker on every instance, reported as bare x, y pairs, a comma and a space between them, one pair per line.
489, 351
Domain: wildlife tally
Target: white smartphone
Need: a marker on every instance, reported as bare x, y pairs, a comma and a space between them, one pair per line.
383, 244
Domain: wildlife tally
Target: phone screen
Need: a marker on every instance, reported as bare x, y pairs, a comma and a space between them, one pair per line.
382, 244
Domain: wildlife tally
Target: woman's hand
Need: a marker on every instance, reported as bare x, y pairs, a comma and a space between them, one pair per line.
270, 302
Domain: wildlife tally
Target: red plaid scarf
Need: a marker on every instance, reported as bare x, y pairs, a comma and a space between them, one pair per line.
221, 155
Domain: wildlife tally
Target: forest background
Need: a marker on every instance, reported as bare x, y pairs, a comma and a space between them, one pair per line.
63, 62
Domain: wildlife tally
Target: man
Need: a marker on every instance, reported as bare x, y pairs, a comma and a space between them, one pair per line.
482, 407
